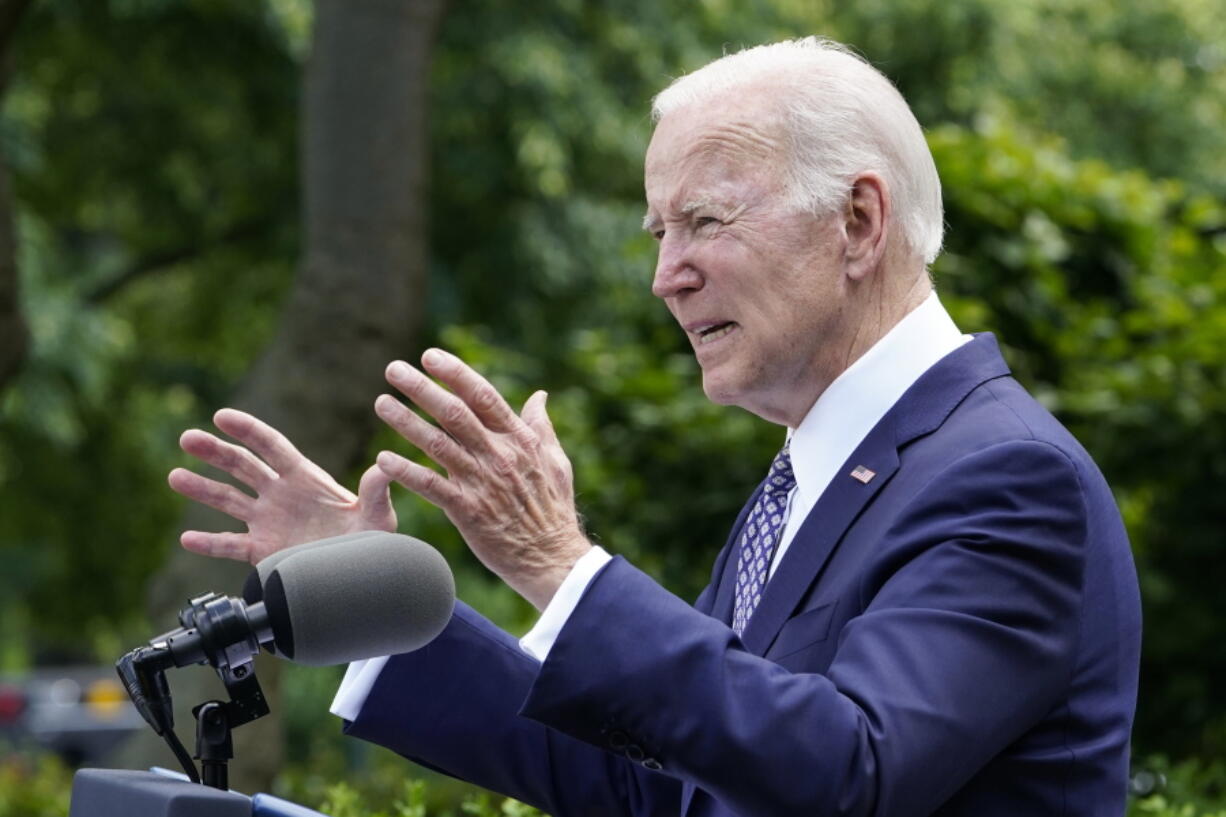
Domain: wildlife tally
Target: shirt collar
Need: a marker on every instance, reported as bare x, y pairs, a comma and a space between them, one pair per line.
848, 409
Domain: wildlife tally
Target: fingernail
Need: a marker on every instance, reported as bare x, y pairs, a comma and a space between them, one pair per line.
399, 370
432, 357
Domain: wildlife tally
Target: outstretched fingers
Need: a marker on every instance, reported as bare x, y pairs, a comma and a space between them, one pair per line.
271, 445
430, 485
226, 545
477, 393
451, 412
436, 443
225, 498
236, 461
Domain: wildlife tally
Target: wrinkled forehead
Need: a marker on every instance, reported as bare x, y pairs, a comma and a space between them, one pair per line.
730, 133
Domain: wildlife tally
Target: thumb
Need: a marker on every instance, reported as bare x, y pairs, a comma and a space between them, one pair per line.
375, 499
536, 417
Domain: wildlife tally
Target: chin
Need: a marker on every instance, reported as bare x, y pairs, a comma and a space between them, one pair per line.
720, 391
728, 391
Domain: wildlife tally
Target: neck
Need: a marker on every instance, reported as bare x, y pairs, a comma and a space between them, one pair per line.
871, 313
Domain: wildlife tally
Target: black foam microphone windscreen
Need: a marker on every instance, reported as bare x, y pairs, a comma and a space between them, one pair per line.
342, 601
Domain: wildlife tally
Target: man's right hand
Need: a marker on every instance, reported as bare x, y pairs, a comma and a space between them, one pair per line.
296, 501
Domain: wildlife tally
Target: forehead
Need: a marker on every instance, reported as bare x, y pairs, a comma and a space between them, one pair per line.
720, 142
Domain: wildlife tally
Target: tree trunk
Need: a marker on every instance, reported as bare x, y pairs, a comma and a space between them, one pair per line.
356, 302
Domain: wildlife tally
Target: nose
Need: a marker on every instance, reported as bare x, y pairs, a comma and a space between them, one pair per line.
675, 269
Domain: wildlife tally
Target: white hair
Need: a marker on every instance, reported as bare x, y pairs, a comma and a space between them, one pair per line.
843, 117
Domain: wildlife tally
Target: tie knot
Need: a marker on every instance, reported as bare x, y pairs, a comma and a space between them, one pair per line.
781, 479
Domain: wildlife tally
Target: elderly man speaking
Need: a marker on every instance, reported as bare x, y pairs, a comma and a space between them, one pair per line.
928, 606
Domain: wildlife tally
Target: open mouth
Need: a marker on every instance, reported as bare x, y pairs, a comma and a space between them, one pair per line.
713, 333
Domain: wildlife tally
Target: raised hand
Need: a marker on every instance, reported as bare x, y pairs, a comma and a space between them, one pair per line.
296, 501
509, 487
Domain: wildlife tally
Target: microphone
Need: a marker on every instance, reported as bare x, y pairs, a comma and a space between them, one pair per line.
253, 588
359, 596
327, 602
331, 601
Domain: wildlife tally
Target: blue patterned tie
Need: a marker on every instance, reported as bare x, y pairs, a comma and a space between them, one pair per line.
759, 536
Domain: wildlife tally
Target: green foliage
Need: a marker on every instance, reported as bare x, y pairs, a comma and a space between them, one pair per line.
485, 806
33, 786
345, 801
1189, 789
153, 150
1139, 86
1159, 806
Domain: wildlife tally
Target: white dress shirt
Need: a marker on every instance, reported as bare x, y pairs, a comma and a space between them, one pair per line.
834, 427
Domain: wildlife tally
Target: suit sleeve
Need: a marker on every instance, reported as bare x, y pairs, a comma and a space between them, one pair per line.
967, 642
453, 706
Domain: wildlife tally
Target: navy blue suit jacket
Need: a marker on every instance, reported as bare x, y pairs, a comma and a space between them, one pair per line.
957, 636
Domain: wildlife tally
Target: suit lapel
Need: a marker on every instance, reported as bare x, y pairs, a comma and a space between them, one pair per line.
836, 509
921, 410
687, 796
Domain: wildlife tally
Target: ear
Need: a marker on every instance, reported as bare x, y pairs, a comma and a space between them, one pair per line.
868, 218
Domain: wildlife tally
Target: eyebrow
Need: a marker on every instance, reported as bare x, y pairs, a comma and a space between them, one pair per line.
651, 220
694, 205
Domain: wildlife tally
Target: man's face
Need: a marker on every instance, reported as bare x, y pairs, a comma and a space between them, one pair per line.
756, 285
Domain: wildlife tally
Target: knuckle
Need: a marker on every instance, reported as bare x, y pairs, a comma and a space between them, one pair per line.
428, 482
462, 506
411, 385
404, 420
526, 437
486, 398
404, 469
231, 460
437, 445
454, 412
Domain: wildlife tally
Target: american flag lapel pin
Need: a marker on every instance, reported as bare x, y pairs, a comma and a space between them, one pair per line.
862, 474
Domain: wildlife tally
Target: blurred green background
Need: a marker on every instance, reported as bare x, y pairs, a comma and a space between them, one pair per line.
232, 202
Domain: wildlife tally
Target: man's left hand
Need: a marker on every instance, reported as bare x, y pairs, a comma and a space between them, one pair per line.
509, 486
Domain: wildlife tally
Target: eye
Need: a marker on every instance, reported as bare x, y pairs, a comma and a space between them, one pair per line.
705, 221
658, 235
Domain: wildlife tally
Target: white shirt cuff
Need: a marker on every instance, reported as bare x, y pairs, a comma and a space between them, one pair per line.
540, 638
355, 687
360, 676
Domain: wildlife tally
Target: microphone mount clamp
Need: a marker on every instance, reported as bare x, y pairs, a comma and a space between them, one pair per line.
226, 634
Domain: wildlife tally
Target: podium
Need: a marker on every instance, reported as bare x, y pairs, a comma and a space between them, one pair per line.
124, 793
